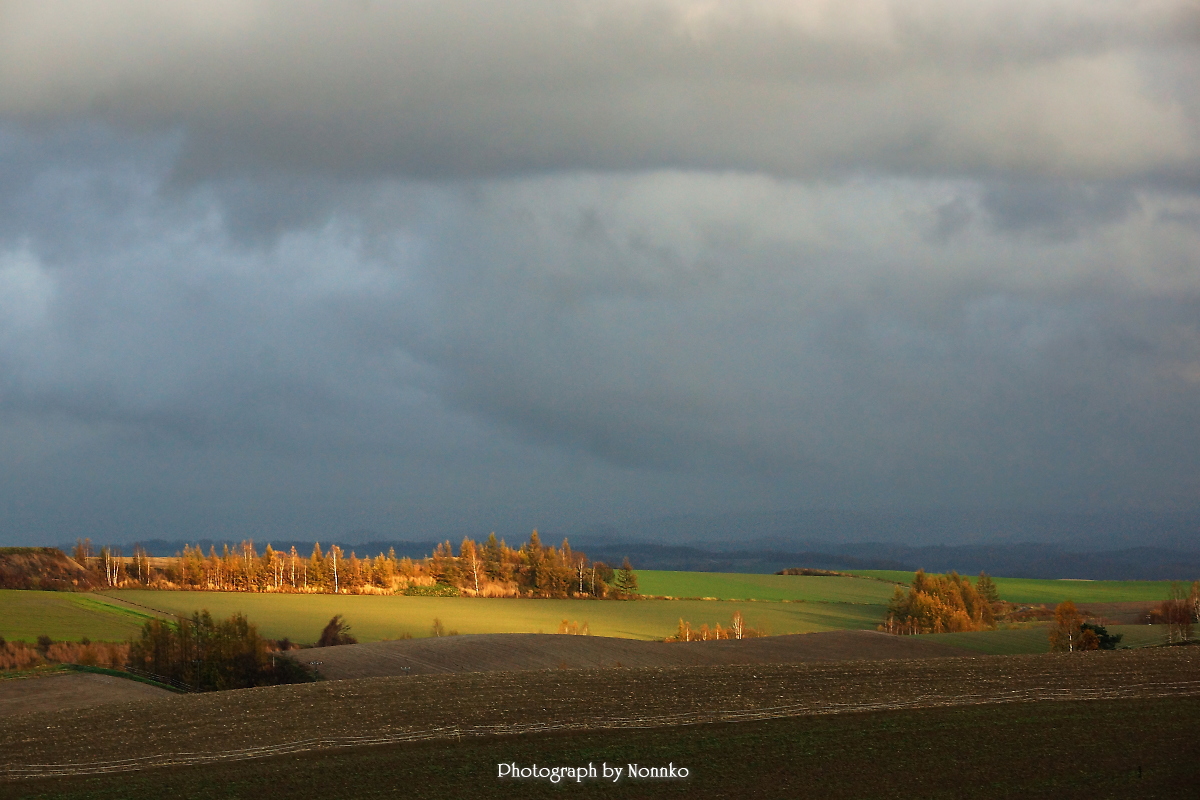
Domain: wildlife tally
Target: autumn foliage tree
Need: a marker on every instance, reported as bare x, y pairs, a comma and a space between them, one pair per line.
1066, 634
941, 603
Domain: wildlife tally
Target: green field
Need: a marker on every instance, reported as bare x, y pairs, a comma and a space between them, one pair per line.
779, 604
735, 586
25, 615
376, 617
1045, 591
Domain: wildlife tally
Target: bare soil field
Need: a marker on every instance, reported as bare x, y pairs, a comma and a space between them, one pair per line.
66, 690
531, 651
256, 723
1132, 748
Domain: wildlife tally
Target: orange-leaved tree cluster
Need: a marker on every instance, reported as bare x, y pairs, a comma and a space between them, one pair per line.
487, 569
942, 603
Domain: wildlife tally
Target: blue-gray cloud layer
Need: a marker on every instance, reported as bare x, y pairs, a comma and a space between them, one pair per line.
278, 267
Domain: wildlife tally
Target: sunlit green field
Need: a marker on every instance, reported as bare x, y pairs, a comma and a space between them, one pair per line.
375, 617
778, 604
1039, 590
735, 586
25, 615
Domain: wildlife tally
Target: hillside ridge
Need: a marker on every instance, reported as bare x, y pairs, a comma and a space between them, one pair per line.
46, 568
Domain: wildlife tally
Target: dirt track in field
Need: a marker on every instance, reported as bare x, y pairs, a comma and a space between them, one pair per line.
64, 690
526, 651
253, 723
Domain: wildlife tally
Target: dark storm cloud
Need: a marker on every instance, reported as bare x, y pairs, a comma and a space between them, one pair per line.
1056, 209
286, 267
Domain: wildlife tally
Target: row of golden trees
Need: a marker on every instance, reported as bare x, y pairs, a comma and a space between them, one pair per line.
488, 569
943, 603
737, 629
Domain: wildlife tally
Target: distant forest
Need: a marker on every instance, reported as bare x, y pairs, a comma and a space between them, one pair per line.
490, 569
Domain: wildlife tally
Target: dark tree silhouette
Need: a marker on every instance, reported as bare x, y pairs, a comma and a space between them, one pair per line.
335, 633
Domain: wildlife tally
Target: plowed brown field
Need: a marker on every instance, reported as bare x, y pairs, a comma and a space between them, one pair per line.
253, 723
526, 651
70, 690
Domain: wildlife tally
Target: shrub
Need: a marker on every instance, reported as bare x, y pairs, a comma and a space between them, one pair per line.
335, 633
437, 590
1103, 639
18, 655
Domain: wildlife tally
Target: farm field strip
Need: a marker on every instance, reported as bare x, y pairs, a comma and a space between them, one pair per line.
26, 614
1042, 694
747, 586
182, 729
1051, 591
300, 617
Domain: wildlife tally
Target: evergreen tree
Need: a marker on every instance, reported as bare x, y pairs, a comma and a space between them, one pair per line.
626, 582
987, 588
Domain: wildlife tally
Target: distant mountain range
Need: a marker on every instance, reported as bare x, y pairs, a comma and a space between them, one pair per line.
1022, 560
1016, 560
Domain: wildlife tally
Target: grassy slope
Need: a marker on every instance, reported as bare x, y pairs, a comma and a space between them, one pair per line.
25, 615
374, 617
1037, 590
734, 586
1128, 748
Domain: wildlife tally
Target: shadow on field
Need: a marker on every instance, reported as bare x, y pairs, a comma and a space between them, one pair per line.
1127, 748
505, 652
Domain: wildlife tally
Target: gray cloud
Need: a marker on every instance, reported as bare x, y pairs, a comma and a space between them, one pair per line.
641, 329
293, 268
1056, 209
455, 88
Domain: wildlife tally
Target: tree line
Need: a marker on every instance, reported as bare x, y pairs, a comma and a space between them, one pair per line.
737, 629
1178, 612
488, 569
942, 604
1070, 634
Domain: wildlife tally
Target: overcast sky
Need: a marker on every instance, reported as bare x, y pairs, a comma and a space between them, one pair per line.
294, 269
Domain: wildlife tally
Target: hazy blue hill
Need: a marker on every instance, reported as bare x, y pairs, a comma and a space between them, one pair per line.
1018, 560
